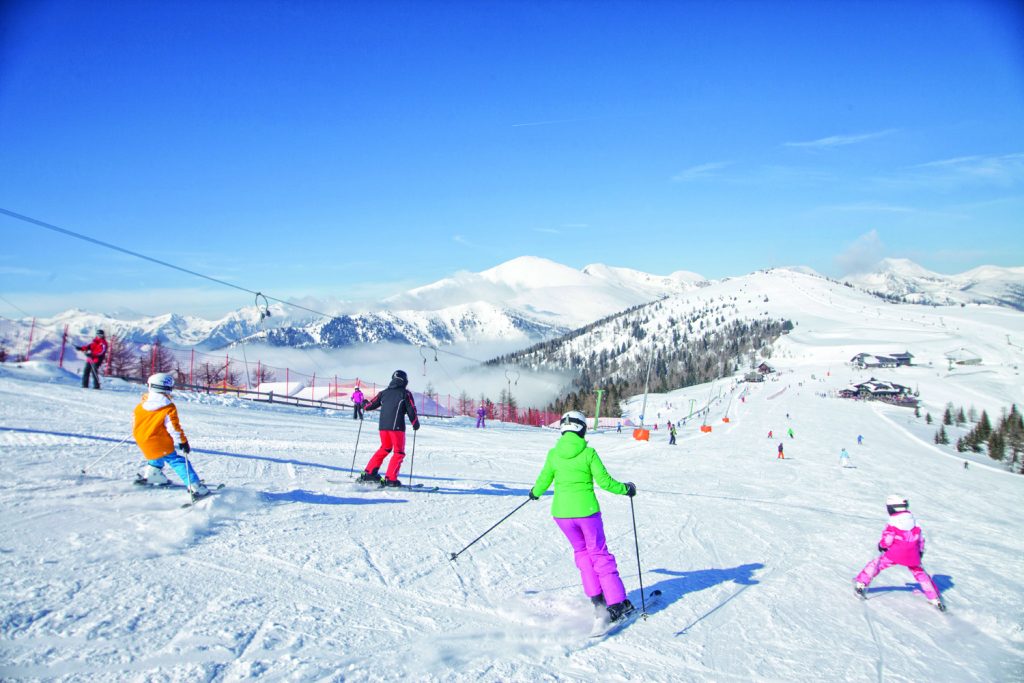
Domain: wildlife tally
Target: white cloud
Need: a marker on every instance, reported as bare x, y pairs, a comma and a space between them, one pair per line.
839, 140
998, 168
862, 255
700, 172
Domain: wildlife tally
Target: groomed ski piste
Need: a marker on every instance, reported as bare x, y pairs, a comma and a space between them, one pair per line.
292, 573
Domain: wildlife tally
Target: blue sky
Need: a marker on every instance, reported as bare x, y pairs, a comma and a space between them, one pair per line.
353, 150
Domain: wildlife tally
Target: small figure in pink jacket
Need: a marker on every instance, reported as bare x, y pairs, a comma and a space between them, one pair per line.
902, 543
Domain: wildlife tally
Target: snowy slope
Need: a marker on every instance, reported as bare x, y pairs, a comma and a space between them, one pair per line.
905, 279
292, 573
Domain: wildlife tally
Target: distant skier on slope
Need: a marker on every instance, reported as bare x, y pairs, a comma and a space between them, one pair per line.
156, 428
860, 440
395, 403
902, 543
574, 467
95, 352
781, 455
481, 418
671, 434
769, 433
790, 432
357, 404
844, 458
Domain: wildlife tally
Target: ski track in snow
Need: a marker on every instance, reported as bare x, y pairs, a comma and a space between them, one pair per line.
294, 572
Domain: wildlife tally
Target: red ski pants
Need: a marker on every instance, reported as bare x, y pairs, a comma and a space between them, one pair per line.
390, 440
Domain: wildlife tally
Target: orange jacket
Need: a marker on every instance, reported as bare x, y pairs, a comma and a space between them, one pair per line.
155, 426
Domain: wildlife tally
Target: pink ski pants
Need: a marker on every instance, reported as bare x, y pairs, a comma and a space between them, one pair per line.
882, 562
597, 566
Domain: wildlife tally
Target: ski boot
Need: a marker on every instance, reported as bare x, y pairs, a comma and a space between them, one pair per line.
198, 490
390, 483
600, 606
151, 476
938, 604
620, 611
860, 589
368, 478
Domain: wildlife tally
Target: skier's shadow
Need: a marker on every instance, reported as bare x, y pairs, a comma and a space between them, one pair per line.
683, 583
943, 582
312, 498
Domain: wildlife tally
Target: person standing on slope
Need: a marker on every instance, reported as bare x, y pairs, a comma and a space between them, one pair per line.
395, 403
481, 415
671, 434
902, 543
574, 467
357, 404
781, 455
844, 458
790, 432
156, 428
95, 352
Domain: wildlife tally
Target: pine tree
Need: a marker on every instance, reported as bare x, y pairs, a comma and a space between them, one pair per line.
960, 417
941, 437
996, 446
947, 416
984, 427
928, 418
917, 411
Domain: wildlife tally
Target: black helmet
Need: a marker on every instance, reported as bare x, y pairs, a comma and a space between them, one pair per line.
400, 376
100, 333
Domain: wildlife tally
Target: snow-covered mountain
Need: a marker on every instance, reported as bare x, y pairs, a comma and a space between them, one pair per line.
905, 280
523, 300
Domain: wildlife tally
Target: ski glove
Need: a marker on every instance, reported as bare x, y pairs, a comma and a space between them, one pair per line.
881, 548
416, 427
630, 489
184, 447
533, 497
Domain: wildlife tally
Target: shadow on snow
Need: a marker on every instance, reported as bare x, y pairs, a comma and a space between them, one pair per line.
312, 498
683, 583
943, 582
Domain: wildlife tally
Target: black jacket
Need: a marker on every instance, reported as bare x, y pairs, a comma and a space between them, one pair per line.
395, 403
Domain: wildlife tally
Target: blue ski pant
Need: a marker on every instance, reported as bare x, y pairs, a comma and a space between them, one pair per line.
180, 466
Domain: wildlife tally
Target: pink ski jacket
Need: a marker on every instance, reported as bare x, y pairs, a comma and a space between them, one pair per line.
902, 540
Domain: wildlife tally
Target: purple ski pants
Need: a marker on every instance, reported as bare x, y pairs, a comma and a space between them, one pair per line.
597, 566
882, 562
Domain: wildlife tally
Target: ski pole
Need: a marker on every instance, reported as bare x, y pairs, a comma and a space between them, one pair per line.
105, 453
455, 555
412, 458
356, 449
639, 573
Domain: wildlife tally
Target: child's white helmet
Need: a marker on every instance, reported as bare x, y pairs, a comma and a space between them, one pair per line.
161, 382
895, 503
573, 421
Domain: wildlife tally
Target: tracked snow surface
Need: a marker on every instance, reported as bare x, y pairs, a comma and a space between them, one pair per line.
293, 573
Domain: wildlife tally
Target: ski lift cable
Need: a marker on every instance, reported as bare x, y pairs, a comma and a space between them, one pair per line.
266, 297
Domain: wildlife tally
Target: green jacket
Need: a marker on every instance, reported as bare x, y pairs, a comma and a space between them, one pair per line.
574, 467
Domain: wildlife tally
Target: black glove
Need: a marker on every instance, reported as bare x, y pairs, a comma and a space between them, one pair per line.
184, 447
881, 548
630, 489
533, 497
416, 427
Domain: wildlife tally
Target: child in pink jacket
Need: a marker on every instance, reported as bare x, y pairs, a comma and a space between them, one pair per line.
902, 543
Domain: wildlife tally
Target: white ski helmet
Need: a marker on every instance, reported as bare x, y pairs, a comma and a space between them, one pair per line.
895, 502
161, 382
573, 421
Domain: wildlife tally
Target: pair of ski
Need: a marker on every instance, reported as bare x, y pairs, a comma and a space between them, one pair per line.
380, 485
604, 628
170, 485
862, 594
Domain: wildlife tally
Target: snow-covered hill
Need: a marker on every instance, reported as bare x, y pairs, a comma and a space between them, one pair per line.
905, 280
294, 573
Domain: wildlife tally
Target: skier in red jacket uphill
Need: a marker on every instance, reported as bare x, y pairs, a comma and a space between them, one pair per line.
395, 403
95, 352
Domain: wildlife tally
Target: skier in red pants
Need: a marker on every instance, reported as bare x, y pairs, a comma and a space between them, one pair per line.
395, 403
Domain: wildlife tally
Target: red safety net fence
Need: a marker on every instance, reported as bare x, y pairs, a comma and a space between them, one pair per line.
224, 373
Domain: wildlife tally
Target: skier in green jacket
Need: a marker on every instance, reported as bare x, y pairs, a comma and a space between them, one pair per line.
575, 467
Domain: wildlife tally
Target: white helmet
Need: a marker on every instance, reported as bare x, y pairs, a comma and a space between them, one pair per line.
894, 501
573, 421
161, 382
